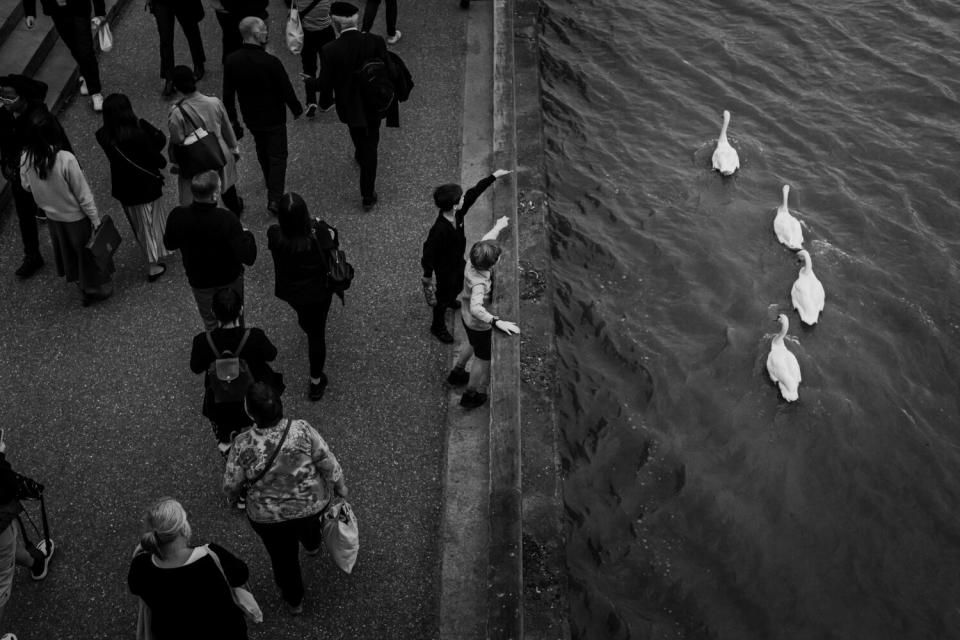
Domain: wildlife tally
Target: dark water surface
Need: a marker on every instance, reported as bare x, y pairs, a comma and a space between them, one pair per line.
700, 504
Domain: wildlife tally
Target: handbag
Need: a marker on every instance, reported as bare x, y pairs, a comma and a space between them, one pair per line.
103, 242
294, 31
341, 534
105, 37
241, 597
200, 151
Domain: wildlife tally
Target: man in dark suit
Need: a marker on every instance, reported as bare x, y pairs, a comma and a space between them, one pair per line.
261, 83
72, 20
338, 62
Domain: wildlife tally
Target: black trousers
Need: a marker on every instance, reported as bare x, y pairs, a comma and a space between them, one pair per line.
446, 296
312, 318
313, 41
370, 14
365, 143
27, 217
271, 145
283, 540
230, 30
76, 34
165, 15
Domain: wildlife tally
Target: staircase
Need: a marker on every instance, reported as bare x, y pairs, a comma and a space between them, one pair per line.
39, 53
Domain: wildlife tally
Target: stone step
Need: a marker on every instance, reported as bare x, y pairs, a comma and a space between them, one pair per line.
10, 13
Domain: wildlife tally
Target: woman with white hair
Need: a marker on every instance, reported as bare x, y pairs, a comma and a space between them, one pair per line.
187, 588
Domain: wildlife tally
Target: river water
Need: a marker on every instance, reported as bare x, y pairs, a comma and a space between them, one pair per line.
699, 503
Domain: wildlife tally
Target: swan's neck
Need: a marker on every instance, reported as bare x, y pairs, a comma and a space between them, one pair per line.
782, 334
786, 198
807, 267
723, 130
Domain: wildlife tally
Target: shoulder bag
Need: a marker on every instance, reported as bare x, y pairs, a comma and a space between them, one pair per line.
241, 597
200, 150
104, 242
155, 176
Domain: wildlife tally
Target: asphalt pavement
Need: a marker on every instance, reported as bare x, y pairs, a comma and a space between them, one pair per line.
100, 405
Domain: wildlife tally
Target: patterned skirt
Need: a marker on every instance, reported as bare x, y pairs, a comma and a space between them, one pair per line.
148, 222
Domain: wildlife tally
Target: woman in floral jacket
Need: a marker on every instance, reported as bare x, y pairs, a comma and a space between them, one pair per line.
290, 476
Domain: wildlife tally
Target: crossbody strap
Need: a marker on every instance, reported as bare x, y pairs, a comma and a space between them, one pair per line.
273, 457
187, 116
122, 155
216, 561
309, 8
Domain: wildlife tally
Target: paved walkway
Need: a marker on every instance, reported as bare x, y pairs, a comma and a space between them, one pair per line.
99, 403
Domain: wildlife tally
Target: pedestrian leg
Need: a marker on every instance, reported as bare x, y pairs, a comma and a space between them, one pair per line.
282, 544
191, 30
276, 171
163, 13
369, 14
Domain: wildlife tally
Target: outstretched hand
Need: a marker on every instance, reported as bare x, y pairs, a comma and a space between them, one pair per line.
499, 173
503, 222
509, 328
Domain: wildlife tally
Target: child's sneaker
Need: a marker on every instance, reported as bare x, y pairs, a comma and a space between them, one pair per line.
458, 377
41, 559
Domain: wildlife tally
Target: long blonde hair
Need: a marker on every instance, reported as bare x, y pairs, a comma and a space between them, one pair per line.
164, 520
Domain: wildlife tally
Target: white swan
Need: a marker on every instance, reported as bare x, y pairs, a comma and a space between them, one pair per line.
786, 226
725, 158
807, 292
782, 365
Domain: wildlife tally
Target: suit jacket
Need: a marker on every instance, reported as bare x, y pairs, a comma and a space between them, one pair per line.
261, 83
77, 7
338, 62
212, 242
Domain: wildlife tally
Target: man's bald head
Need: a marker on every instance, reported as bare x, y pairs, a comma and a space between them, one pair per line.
253, 30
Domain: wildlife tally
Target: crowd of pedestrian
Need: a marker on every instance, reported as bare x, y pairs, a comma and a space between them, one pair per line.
278, 468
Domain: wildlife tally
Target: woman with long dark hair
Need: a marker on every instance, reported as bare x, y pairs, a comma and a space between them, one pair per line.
133, 147
299, 245
59, 187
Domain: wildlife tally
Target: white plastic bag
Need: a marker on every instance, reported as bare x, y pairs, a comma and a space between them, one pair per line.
341, 534
105, 37
294, 31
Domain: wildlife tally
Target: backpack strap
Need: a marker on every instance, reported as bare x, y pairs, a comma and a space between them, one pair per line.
213, 347
243, 342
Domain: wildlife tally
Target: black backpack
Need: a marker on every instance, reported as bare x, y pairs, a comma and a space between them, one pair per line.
229, 376
339, 272
375, 84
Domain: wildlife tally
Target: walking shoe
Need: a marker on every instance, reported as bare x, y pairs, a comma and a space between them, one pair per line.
168, 89
313, 552
198, 72
442, 334
458, 377
97, 99
153, 276
41, 559
224, 448
41, 215
311, 110
368, 203
29, 266
8, 636
241, 503
472, 399
83, 87
464, 4
395, 38
273, 209
295, 610
317, 388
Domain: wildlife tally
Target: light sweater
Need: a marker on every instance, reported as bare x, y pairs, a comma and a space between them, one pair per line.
477, 287
65, 195
318, 18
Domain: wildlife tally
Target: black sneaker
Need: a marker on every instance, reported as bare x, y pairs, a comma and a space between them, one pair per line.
442, 335
316, 390
458, 377
368, 203
29, 266
472, 399
41, 559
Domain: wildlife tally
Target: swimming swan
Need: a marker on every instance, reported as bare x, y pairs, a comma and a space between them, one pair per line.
725, 158
786, 226
807, 292
782, 365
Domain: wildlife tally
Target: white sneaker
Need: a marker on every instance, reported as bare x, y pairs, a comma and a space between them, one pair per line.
83, 87
97, 101
395, 38
8, 636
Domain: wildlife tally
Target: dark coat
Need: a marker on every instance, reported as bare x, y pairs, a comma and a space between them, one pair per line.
261, 83
339, 60
139, 184
445, 245
76, 7
300, 266
212, 242
191, 10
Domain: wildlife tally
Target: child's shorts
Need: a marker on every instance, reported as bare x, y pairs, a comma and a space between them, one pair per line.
480, 341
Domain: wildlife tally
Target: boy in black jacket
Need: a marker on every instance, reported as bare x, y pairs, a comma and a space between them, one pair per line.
444, 248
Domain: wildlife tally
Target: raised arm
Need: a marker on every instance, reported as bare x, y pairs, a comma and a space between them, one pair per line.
499, 226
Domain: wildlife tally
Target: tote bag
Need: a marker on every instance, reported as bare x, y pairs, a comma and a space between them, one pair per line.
200, 150
104, 242
341, 534
105, 38
294, 31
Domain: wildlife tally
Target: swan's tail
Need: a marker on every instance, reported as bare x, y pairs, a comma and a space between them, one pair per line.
790, 395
